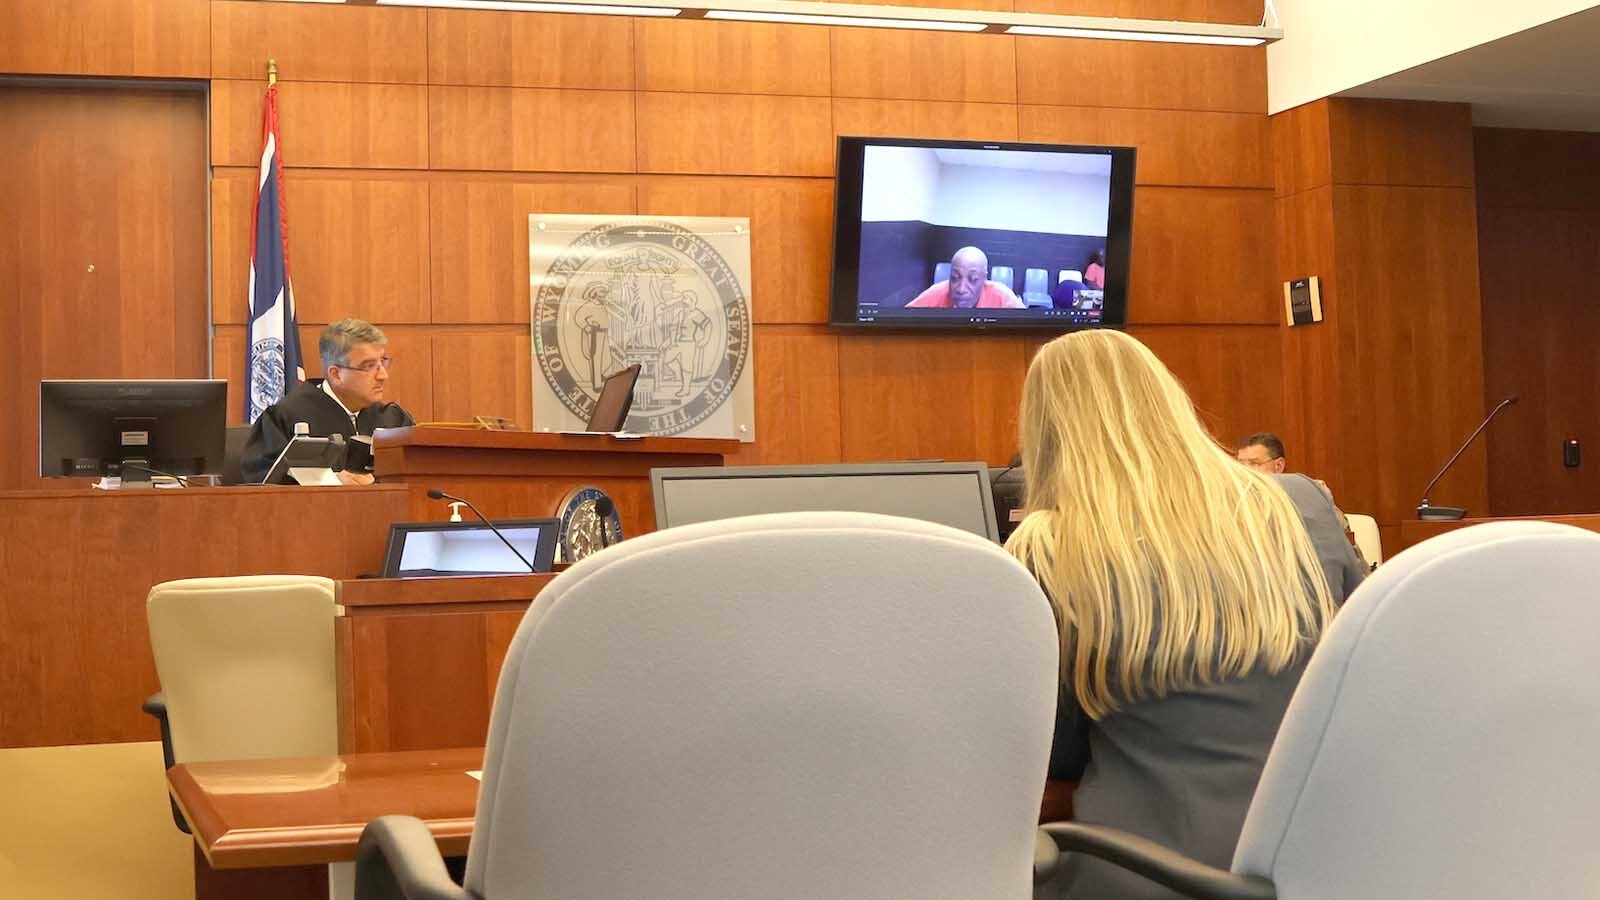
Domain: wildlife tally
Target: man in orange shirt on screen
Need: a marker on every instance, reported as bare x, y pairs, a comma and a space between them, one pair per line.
969, 287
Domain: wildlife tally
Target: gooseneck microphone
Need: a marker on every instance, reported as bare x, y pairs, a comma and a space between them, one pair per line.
436, 494
1430, 513
604, 508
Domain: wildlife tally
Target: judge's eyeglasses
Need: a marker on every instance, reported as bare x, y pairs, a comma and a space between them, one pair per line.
371, 365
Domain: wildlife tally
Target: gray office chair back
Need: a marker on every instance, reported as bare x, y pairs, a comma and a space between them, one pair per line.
1444, 739
233, 453
803, 705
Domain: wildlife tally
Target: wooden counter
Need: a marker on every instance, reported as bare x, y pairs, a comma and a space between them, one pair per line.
525, 474
76, 566
1415, 531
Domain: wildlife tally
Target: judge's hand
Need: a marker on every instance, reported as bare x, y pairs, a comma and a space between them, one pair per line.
355, 478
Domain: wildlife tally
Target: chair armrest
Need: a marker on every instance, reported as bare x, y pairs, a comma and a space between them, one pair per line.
1162, 865
1046, 857
397, 859
156, 705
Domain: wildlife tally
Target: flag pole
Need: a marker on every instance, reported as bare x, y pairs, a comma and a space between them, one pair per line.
272, 72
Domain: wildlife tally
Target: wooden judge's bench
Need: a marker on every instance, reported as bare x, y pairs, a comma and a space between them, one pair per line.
418, 658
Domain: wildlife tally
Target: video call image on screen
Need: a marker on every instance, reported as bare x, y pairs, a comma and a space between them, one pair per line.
1003, 234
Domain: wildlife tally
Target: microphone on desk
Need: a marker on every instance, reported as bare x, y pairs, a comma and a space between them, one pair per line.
436, 494
1431, 513
604, 509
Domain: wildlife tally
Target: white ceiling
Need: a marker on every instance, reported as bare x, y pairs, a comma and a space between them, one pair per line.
1069, 163
1546, 77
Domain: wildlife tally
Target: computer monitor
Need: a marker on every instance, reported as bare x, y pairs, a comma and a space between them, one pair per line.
949, 493
131, 429
616, 399
430, 549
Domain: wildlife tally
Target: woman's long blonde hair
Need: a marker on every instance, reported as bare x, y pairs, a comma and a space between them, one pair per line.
1169, 563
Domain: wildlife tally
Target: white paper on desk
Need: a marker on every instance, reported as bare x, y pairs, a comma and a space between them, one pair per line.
476, 774
619, 435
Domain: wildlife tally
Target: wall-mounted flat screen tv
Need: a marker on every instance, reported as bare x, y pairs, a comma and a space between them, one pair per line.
963, 235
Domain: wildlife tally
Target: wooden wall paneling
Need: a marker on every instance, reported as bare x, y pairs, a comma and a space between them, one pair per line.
791, 234
729, 134
91, 294
1228, 12
923, 65
483, 374
1400, 142
1074, 72
925, 119
227, 362
139, 38
1312, 357
528, 129
1301, 149
356, 239
1203, 256
316, 42
706, 56
233, 195
1540, 325
1538, 197
1176, 147
478, 237
522, 49
1233, 374
1407, 260
373, 126
797, 398
79, 565
929, 397
1539, 169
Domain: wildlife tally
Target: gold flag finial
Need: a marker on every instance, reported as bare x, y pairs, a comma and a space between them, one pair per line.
272, 72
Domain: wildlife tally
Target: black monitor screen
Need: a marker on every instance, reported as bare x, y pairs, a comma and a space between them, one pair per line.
90, 428
949, 493
433, 549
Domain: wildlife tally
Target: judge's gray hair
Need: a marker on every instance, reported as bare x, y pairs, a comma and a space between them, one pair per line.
342, 336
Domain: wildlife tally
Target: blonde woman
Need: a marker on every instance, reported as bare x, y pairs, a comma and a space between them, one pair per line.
1189, 591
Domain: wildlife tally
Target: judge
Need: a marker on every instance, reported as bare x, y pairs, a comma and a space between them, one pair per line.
348, 401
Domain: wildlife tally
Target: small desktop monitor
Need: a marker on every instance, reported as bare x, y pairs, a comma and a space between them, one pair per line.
949, 493
433, 549
616, 399
132, 429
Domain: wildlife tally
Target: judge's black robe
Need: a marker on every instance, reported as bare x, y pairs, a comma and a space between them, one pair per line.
324, 417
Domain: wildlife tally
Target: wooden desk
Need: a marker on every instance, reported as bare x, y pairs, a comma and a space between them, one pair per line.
527, 473
1415, 531
76, 566
309, 812
418, 659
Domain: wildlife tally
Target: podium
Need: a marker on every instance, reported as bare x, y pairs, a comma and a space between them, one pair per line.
526, 474
1415, 531
417, 659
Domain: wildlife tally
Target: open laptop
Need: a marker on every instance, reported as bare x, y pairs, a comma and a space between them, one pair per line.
616, 399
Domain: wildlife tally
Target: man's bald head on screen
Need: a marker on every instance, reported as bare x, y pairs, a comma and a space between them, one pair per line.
969, 269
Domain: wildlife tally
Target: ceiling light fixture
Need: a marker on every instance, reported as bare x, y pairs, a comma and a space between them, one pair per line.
588, 9
847, 21
864, 15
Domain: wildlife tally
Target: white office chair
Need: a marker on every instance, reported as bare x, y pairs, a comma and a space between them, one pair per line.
1036, 288
246, 667
1004, 275
1365, 530
791, 707
1441, 743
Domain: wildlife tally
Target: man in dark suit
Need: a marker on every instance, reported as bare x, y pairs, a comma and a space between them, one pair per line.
349, 400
